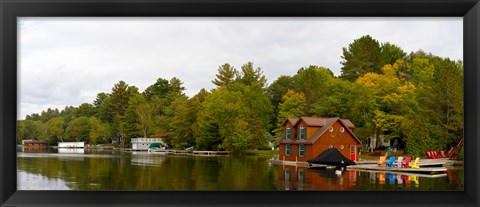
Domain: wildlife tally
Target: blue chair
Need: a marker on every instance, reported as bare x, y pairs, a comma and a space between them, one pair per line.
390, 162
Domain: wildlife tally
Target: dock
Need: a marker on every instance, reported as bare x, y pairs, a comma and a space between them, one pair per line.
178, 152
211, 152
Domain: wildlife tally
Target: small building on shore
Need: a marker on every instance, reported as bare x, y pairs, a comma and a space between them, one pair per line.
35, 143
306, 137
71, 144
144, 143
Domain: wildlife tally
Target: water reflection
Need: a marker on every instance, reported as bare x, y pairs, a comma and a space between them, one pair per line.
299, 178
31, 181
142, 171
113, 170
146, 159
71, 150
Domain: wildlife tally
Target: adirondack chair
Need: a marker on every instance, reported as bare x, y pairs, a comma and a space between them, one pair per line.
390, 162
415, 164
399, 162
442, 153
381, 162
453, 153
429, 155
407, 161
436, 155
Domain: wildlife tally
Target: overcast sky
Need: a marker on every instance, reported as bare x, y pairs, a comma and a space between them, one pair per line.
67, 61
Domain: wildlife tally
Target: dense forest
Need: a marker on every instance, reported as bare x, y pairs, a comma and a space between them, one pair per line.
384, 91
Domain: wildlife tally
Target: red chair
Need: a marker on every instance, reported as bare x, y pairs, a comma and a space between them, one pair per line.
442, 153
437, 155
407, 161
429, 155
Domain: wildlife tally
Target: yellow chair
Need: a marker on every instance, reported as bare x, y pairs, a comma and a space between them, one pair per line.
382, 160
414, 164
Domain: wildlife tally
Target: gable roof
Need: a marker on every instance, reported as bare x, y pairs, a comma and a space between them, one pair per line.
329, 123
324, 123
348, 123
320, 121
292, 121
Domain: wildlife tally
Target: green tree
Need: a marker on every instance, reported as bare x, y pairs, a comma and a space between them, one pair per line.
78, 130
55, 129
85, 109
99, 132
294, 104
277, 89
101, 107
313, 82
336, 101
185, 121
160, 88
123, 124
250, 75
49, 114
362, 56
226, 75
391, 53
258, 114
220, 109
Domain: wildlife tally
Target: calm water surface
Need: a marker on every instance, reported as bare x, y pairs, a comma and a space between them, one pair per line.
113, 170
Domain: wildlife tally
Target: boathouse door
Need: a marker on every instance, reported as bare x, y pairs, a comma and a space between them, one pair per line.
352, 153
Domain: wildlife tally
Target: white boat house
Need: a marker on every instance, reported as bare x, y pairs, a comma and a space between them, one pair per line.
144, 143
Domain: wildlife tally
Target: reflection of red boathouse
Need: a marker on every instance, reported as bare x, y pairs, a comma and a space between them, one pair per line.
299, 178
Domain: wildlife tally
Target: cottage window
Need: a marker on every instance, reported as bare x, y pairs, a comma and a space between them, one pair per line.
288, 133
302, 132
301, 150
288, 149
342, 129
331, 129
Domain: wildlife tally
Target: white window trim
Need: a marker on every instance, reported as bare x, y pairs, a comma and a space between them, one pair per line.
289, 147
302, 128
288, 132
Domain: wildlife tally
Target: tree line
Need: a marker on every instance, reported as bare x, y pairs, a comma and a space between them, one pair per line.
384, 91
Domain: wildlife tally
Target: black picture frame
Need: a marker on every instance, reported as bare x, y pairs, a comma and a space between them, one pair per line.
11, 9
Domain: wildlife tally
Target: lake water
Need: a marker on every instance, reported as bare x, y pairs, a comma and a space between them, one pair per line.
114, 170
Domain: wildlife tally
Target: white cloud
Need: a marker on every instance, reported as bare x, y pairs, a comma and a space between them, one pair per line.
67, 61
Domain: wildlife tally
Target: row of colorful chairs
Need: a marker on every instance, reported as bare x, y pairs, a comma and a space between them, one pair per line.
399, 163
435, 155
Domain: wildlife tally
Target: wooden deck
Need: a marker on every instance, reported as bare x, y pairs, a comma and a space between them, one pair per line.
422, 170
